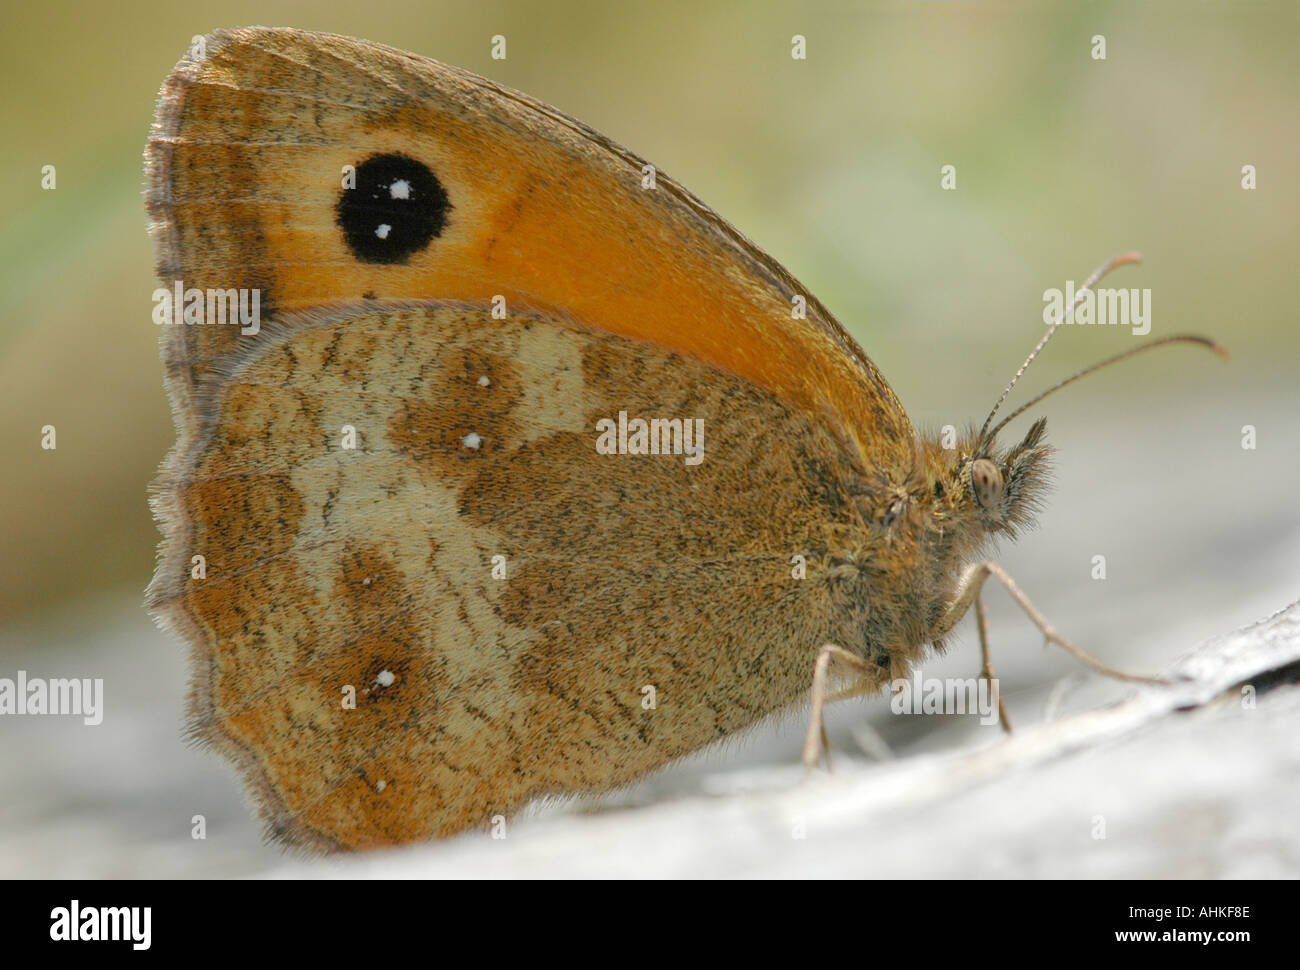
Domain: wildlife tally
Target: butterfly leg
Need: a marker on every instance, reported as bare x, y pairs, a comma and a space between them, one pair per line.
968, 593
986, 672
817, 744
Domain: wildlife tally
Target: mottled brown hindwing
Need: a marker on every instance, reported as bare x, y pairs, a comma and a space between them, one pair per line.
373, 567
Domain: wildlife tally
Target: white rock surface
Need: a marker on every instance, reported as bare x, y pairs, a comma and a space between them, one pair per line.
1182, 781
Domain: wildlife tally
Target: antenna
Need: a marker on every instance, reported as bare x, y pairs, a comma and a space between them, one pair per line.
1183, 338
1120, 260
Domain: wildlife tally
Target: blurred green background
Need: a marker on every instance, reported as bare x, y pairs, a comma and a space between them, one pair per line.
831, 164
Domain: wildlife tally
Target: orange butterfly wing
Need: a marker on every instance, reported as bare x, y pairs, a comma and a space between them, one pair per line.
245, 170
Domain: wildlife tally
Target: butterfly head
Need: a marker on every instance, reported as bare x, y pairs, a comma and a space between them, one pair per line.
1003, 490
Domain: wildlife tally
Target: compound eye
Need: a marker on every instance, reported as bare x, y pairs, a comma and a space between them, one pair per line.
986, 481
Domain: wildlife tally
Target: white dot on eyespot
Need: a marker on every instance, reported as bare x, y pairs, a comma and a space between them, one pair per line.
382, 230
366, 581
386, 678
380, 785
472, 440
401, 189
483, 382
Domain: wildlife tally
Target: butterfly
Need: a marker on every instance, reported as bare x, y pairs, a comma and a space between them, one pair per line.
518, 472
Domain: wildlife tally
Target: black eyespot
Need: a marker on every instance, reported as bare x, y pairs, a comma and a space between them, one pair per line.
396, 207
